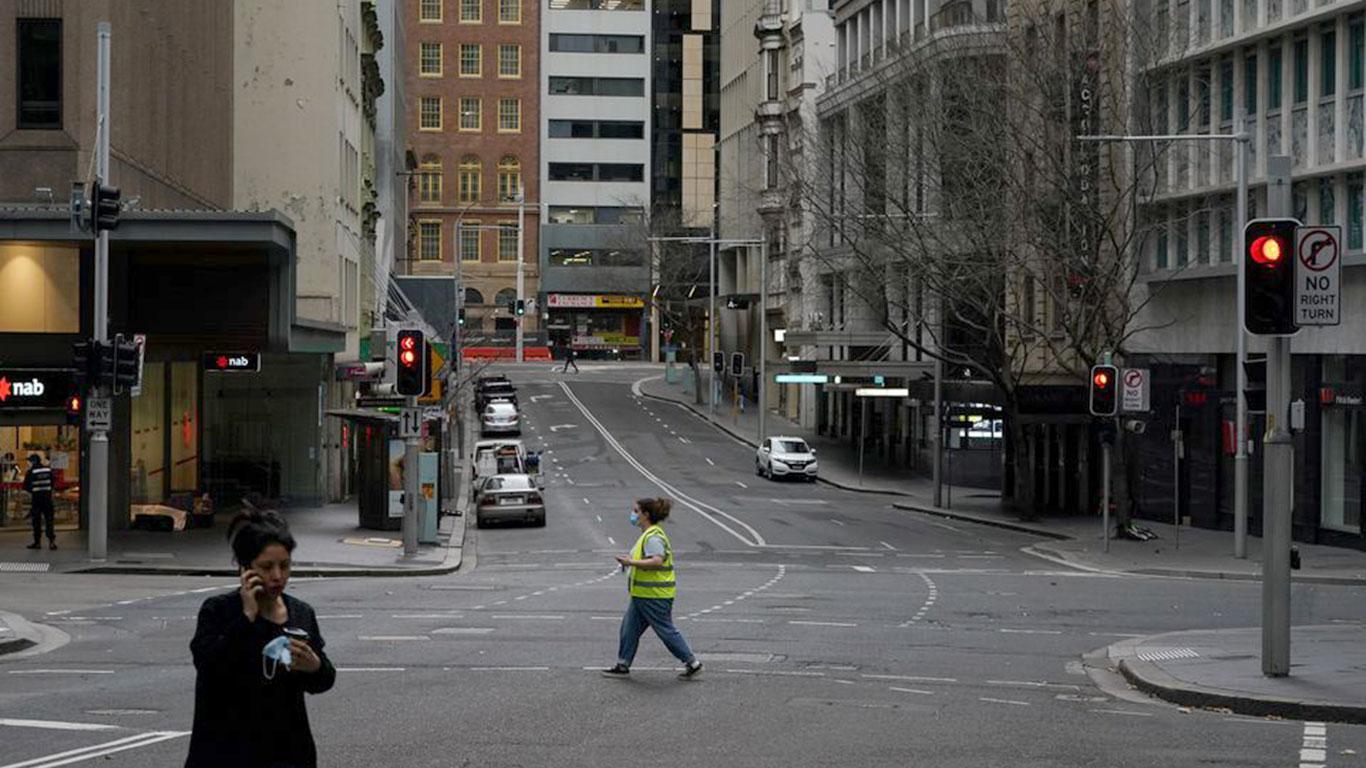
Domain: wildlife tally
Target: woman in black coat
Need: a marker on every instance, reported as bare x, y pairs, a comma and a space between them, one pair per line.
249, 693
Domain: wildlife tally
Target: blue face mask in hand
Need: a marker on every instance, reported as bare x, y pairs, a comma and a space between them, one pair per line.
276, 651
635, 517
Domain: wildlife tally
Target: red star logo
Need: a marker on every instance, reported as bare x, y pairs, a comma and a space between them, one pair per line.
4, 390
222, 361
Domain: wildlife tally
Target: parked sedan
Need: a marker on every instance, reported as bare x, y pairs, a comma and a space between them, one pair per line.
508, 498
501, 419
785, 457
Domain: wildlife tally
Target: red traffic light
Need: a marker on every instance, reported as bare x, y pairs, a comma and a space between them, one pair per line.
73, 404
1268, 250
408, 357
407, 342
1101, 379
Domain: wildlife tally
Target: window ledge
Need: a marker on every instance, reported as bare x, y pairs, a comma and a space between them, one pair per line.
33, 138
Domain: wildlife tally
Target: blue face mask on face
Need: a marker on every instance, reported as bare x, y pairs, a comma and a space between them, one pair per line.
276, 651
635, 517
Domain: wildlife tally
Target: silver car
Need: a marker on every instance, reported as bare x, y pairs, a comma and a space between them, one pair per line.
501, 418
785, 457
508, 498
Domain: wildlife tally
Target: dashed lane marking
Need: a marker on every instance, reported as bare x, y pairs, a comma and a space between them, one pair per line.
56, 725
527, 617
1031, 631
1121, 712
1314, 749
864, 568
910, 690
392, 638
1013, 702
509, 669
925, 606
823, 623
709, 461
61, 672
888, 546
462, 631
911, 678
742, 485
372, 669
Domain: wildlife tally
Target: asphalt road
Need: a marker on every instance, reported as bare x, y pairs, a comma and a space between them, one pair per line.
835, 630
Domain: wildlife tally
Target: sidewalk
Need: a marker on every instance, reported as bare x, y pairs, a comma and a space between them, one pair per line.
1222, 668
1071, 540
330, 543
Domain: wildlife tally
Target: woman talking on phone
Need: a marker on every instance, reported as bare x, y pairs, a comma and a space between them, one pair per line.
256, 652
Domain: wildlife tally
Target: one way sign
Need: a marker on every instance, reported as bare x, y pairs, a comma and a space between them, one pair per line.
1318, 276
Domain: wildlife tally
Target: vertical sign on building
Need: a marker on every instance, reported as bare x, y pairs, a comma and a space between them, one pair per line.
1318, 276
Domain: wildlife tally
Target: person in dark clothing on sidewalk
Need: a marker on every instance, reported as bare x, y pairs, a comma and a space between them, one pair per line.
38, 483
569, 359
257, 651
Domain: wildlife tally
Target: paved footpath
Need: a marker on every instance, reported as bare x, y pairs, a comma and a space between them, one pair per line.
1201, 668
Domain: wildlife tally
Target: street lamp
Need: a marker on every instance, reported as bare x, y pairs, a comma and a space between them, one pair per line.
1241, 138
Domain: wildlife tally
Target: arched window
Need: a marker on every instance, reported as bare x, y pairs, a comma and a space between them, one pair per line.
505, 297
473, 296
429, 180
509, 178
470, 172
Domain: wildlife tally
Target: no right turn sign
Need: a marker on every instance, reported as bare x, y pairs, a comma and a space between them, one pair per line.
1318, 276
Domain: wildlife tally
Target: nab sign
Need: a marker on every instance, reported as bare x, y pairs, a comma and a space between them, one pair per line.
34, 389
232, 362
1318, 276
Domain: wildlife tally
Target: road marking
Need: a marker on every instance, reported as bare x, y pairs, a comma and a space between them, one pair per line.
753, 540
1003, 701
372, 669
462, 631
586, 501
509, 669
604, 618
599, 517
1122, 712
709, 461
779, 673
426, 615
683, 439
910, 690
912, 678
1031, 631
1035, 684
1314, 750
528, 617
60, 672
742, 485
611, 541
393, 638
726, 621
822, 623
56, 725
340, 616
925, 606
888, 546
864, 568
99, 750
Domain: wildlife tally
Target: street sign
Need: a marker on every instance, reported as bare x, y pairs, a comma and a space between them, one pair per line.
882, 392
139, 339
1137, 389
410, 423
99, 413
801, 378
1318, 276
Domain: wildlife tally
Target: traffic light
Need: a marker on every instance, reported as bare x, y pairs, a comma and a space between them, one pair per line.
104, 363
412, 363
126, 362
718, 361
80, 360
519, 307
737, 363
73, 409
1269, 277
104, 207
461, 317
1104, 385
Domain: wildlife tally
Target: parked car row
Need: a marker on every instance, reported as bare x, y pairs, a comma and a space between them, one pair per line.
496, 399
507, 485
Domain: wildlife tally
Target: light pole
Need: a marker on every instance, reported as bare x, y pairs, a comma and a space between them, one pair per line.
521, 267
1241, 138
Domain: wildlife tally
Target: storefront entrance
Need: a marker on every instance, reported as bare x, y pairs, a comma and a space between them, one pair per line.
59, 447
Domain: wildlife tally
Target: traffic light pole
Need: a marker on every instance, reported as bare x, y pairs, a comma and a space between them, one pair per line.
521, 268
97, 498
1105, 492
411, 458
762, 351
1278, 458
1240, 430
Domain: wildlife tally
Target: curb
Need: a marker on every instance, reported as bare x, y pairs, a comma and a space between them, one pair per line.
1186, 573
925, 509
1154, 681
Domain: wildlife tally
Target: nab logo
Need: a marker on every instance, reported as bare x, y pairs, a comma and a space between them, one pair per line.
8, 389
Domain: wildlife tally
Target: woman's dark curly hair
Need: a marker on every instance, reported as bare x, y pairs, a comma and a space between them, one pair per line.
251, 531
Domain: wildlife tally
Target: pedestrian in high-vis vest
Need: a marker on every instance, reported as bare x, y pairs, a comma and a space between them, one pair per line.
653, 584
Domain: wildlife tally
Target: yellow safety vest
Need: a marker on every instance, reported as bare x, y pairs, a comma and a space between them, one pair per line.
658, 583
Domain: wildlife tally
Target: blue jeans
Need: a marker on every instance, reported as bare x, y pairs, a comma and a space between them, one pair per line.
657, 613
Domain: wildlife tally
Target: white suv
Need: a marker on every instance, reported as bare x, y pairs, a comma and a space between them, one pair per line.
785, 457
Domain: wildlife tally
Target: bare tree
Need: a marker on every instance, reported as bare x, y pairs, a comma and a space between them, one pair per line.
956, 204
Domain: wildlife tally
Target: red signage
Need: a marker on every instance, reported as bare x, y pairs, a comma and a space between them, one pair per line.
20, 388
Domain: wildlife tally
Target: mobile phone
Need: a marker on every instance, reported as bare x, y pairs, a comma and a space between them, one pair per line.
296, 633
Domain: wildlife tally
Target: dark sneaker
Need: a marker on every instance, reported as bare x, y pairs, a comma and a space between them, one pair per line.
617, 670
691, 672
35, 545
52, 545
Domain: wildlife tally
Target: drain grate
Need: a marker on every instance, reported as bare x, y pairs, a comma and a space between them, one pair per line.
24, 567
1166, 654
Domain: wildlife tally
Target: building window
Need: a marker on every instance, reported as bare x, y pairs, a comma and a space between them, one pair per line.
1250, 84
507, 242
1354, 212
510, 61
597, 5
40, 73
509, 115
430, 60
595, 215
473, 296
471, 60
429, 241
597, 129
429, 11
1273, 79
509, 11
570, 43
627, 172
1226, 89
429, 180
595, 257
509, 178
1328, 58
470, 172
471, 11
471, 113
1301, 71
597, 86
469, 245
429, 115
1356, 53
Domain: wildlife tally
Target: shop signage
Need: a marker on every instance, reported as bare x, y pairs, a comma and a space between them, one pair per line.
593, 301
22, 389
1318, 276
232, 362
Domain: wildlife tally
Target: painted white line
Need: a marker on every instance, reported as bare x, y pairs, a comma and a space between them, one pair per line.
1122, 712
864, 568
603, 618
1313, 755
527, 617
888, 546
837, 522
709, 461
823, 623
586, 501
1003, 701
340, 616
752, 540
730, 621
599, 517
683, 439
426, 615
910, 690
742, 485
393, 638
911, 678
1035, 684
372, 669
1031, 631
778, 673
60, 672
99, 750
509, 669
462, 631
56, 725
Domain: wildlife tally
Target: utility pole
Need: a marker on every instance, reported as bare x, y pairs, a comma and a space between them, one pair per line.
762, 351
1278, 485
411, 458
712, 331
521, 266
98, 502
1240, 430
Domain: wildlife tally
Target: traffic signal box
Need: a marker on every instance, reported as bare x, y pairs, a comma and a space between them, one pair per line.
718, 361
411, 364
1269, 277
1104, 390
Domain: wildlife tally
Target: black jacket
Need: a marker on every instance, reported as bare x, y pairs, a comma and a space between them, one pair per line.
241, 719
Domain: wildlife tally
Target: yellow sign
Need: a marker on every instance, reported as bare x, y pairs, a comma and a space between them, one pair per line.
618, 302
434, 391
